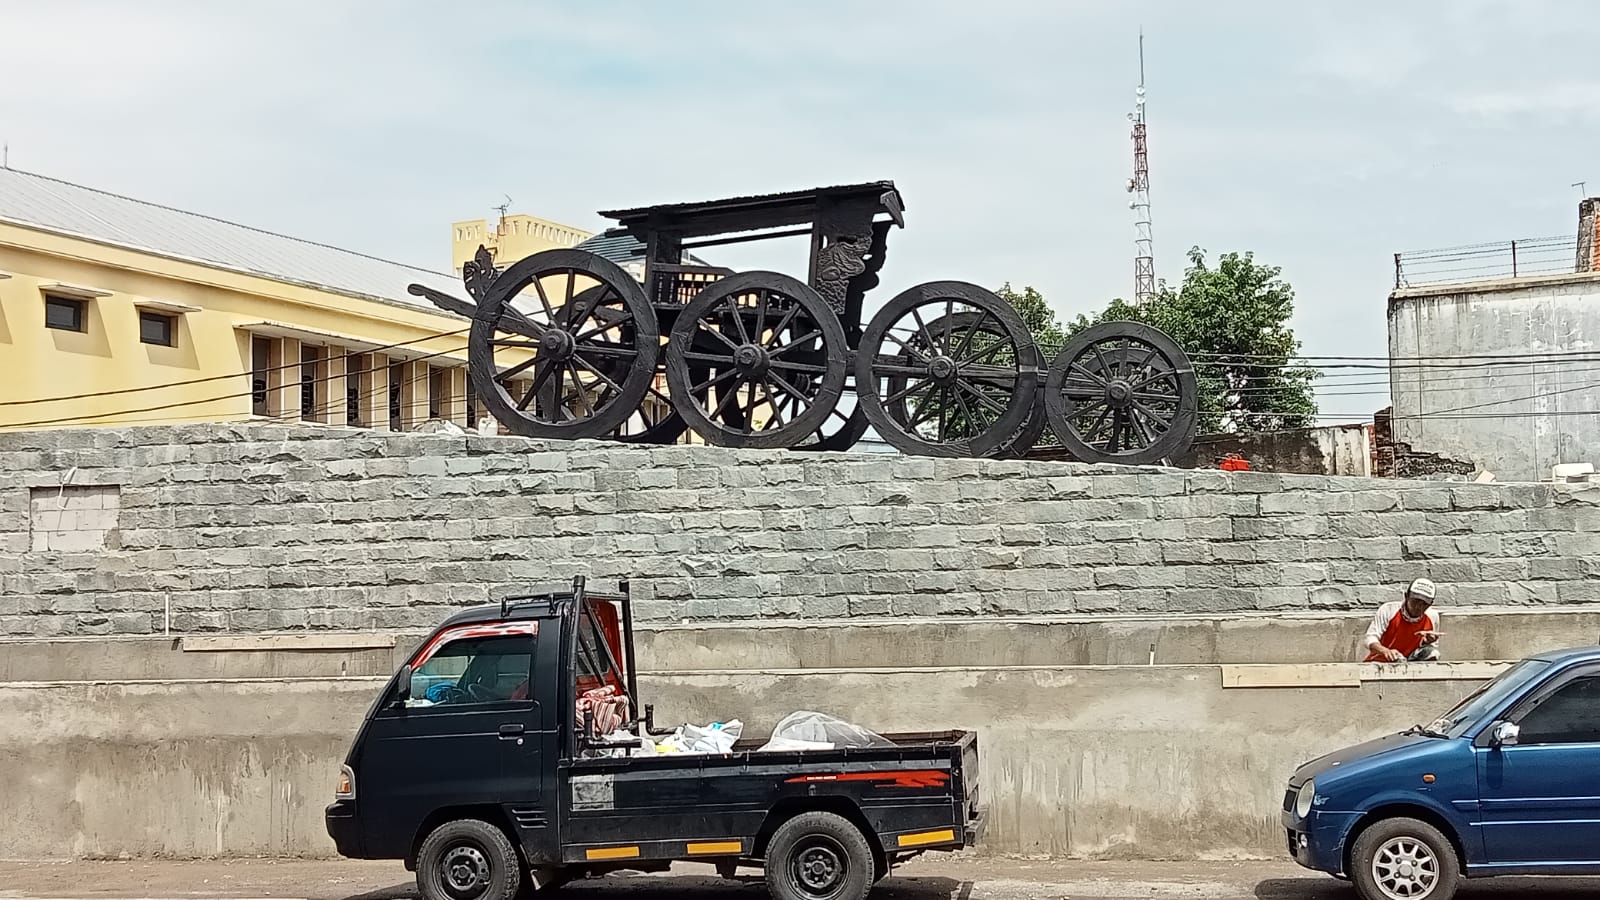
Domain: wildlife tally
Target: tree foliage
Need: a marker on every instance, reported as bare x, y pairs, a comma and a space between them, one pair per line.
1233, 321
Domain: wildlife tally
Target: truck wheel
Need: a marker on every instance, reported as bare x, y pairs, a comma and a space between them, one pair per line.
819, 856
468, 859
1404, 859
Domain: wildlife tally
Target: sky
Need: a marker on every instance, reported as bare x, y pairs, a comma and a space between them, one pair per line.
1321, 137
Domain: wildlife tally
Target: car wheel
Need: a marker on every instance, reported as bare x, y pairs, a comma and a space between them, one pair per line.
1404, 859
819, 856
468, 859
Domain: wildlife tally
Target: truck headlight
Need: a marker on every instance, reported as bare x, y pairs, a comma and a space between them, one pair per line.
346, 789
1304, 800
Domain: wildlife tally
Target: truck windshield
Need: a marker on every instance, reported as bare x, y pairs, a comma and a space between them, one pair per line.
1510, 682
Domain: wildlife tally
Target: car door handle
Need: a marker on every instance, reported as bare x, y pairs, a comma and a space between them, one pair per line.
512, 730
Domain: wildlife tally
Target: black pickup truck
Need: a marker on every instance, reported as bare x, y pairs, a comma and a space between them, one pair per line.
481, 764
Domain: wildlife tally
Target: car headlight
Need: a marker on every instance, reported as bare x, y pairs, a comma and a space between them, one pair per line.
1304, 800
346, 789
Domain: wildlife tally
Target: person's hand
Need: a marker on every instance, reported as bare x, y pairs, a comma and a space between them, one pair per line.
1430, 637
1390, 654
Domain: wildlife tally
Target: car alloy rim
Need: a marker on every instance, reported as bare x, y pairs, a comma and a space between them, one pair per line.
1405, 869
465, 871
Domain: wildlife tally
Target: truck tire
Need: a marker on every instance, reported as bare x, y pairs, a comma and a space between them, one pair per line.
1404, 859
468, 859
819, 856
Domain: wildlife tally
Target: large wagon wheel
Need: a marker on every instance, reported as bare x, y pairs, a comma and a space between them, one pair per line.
578, 348
947, 369
1122, 392
774, 354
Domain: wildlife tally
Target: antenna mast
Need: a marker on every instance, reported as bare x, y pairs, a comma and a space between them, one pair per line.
1144, 261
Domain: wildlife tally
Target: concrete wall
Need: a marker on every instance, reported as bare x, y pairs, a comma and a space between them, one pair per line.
1516, 420
1107, 762
1329, 450
1276, 638
231, 528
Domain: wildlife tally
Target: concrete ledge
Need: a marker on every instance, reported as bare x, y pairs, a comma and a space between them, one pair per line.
1352, 675
263, 643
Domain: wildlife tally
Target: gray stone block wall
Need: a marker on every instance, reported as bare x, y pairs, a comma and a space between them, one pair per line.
248, 528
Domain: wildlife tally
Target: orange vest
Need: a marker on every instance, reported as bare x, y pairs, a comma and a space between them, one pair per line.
1403, 636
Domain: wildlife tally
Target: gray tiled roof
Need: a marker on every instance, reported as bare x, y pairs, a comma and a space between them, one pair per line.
48, 204
621, 247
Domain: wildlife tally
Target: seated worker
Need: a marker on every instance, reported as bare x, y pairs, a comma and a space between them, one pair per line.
1406, 630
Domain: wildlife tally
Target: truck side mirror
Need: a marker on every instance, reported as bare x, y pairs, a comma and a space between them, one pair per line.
402, 691
1505, 734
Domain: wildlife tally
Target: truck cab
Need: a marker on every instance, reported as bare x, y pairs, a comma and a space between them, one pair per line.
494, 761
1506, 783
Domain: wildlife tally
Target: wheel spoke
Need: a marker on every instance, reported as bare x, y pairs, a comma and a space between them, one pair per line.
738, 319
922, 329
772, 401
583, 393
949, 323
914, 352
722, 405
538, 286
716, 379
1094, 432
711, 358
599, 374
761, 315
598, 329
897, 396
508, 342
539, 378
983, 398
517, 369
796, 342
782, 324
966, 339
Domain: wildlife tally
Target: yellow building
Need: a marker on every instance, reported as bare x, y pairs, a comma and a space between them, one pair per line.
514, 237
118, 311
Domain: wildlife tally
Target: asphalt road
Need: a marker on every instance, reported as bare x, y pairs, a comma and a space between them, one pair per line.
945, 879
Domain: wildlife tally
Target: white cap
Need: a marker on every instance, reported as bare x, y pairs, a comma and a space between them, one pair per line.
1422, 588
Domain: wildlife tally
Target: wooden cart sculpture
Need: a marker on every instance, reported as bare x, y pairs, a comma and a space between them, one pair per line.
567, 344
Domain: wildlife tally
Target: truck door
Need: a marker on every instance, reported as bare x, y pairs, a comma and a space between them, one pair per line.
1541, 796
472, 735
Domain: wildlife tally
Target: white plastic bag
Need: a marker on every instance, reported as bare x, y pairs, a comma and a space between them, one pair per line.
718, 737
815, 727
778, 744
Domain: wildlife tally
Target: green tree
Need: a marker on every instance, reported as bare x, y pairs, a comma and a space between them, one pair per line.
1037, 315
1233, 321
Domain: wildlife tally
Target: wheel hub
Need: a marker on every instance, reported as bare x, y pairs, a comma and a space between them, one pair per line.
751, 359
1119, 392
466, 871
557, 344
942, 369
819, 869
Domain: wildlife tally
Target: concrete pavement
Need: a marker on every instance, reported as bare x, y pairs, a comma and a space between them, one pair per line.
943, 879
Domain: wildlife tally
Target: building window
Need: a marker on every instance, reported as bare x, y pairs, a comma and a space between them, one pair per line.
260, 363
396, 373
64, 313
308, 383
438, 392
155, 328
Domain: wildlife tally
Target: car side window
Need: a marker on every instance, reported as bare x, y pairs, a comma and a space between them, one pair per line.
474, 670
1569, 716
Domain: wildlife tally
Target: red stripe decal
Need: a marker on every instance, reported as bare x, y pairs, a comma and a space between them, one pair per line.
929, 778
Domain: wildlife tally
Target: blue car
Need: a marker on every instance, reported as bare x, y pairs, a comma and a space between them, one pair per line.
1506, 783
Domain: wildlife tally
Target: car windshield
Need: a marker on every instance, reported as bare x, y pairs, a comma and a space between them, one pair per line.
1456, 722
